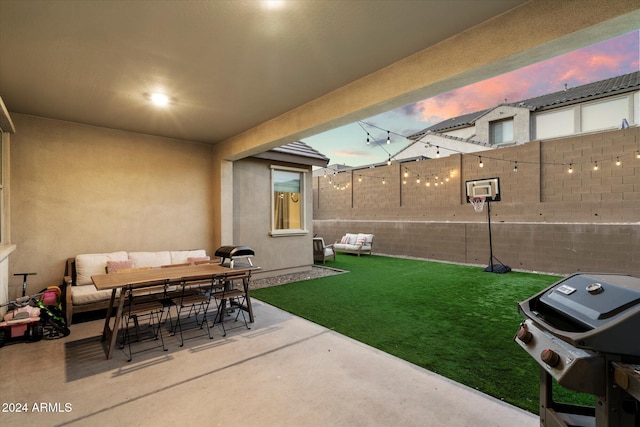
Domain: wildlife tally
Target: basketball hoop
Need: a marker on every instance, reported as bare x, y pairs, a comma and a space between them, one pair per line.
477, 202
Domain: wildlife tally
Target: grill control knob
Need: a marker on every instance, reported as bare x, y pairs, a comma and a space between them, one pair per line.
550, 357
524, 335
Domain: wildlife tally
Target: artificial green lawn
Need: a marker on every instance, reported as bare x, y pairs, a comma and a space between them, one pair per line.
451, 319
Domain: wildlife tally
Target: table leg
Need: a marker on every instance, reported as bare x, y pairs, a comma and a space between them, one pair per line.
113, 334
106, 331
245, 284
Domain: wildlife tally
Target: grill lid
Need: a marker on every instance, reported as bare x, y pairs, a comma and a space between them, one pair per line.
598, 311
593, 300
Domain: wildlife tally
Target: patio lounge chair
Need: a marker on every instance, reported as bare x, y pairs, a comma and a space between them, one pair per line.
322, 252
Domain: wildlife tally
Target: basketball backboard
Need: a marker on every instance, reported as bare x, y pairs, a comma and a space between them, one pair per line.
489, 188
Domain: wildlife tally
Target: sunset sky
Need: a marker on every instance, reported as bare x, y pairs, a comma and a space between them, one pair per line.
347, 144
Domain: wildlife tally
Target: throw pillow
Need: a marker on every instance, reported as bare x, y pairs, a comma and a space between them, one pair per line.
116, 266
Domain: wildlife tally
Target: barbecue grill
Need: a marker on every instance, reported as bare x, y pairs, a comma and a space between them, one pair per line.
229, 254
584, 332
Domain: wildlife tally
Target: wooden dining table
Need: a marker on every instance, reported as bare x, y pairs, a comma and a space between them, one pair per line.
145, 278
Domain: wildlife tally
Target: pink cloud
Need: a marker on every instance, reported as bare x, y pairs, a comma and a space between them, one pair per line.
343, 153
597, 62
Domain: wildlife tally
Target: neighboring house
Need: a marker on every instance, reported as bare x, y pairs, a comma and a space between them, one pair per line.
603, 105
331, 169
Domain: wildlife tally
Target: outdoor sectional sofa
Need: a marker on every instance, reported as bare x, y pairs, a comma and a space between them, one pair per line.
355, 244
80, 293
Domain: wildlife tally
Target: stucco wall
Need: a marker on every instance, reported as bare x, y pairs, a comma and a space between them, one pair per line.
84, 189
252, 220
548, 220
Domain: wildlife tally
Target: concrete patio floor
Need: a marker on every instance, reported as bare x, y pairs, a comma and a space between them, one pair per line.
285, 371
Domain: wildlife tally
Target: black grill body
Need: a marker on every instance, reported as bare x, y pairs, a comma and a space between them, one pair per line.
229, 254
584, 332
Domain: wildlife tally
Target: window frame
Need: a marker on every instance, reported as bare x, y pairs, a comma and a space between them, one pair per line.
492, 126
274, 232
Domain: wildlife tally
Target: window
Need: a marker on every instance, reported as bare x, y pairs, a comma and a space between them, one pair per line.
555, 123
605, 115
501, 131
287, 201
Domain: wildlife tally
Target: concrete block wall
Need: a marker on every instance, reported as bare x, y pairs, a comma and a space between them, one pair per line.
548, 220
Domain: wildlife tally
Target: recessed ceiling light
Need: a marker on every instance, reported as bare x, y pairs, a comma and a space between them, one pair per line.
160, 99
273, 4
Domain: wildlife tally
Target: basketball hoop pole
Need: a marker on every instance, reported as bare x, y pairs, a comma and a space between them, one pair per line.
479, 192
501, 268
490, 240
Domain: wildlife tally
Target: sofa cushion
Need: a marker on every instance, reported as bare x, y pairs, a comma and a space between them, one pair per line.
346, 247
365, 239
150, 259
88, 265
351, 238
88, 294
198, 259
181, 257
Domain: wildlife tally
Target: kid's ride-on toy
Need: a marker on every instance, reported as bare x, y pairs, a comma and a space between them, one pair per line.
34, 317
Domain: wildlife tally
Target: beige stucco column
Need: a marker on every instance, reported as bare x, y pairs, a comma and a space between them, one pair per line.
533, 32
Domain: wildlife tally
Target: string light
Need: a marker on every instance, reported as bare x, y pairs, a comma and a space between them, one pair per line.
481, 163
441, 181
383, 181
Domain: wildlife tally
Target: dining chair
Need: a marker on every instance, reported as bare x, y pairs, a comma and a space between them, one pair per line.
141, 305
232, 295
192, 301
